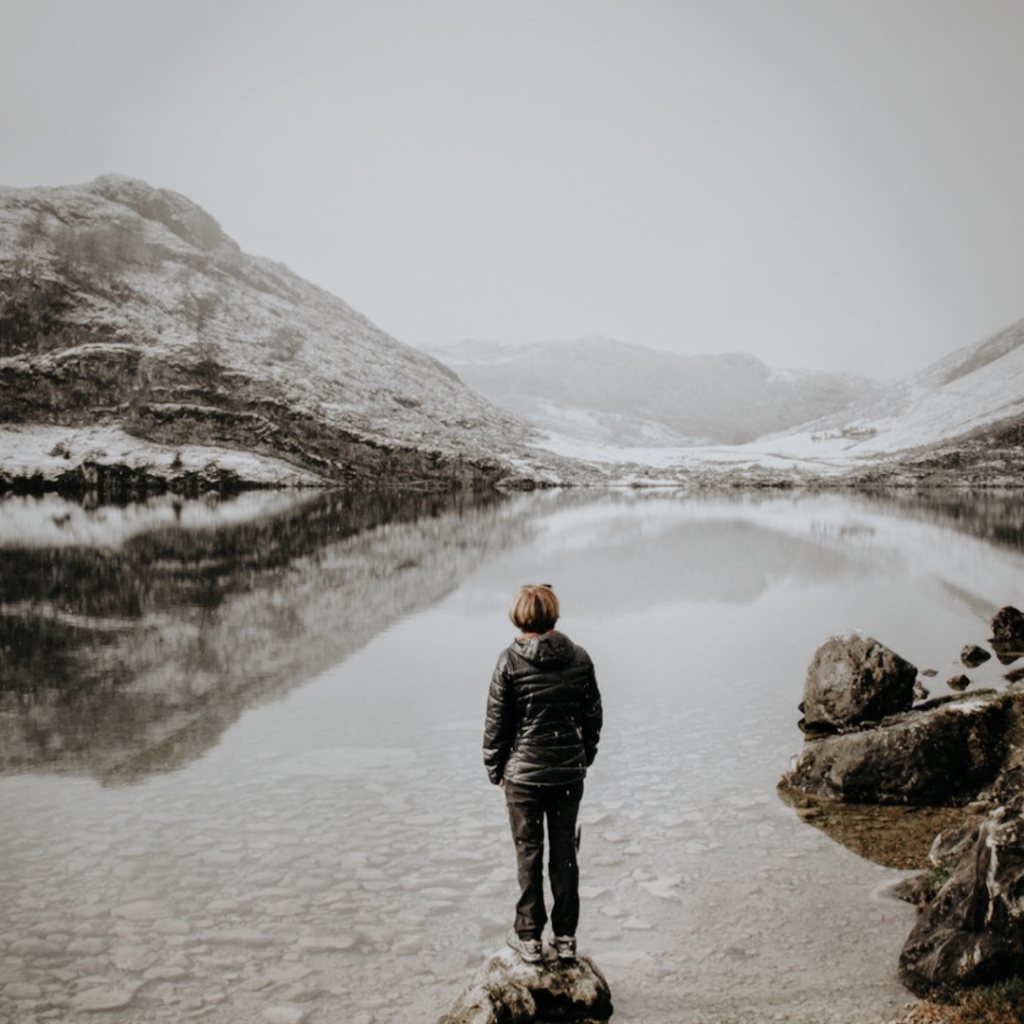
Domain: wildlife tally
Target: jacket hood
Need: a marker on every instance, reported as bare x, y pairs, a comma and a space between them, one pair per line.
551, 650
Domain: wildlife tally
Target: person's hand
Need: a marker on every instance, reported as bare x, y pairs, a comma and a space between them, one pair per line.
501, 784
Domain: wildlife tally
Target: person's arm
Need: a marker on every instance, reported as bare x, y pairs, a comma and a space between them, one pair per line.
593, 716
500, 726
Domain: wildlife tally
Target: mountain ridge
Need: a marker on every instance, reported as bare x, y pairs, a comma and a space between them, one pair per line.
959, 422
141, 350
129, 306
596, 388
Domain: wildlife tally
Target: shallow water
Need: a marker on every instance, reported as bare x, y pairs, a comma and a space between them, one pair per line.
240, 747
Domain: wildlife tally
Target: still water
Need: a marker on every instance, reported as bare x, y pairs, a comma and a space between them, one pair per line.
240, 773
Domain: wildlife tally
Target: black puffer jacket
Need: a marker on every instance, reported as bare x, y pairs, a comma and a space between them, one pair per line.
543, 713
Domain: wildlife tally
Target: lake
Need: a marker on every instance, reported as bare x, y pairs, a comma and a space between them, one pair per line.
240, 746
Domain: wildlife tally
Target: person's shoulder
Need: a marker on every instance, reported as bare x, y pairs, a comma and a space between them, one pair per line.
580, 654
509, 658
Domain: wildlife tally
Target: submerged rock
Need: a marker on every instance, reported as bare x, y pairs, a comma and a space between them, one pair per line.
972, 931
506, 989
1008, 651
854, 679
972, 655
943, 753
895, 836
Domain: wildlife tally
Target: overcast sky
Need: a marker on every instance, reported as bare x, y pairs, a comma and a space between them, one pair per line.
824, 183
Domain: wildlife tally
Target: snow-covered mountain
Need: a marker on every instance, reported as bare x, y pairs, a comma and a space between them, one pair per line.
959, 422
600, 390
140, 349
976, 390
136, 337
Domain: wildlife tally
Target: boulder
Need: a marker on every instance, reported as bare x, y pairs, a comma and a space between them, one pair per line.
508, 990
972, 655
1008, 625
943, 752
1008, 634
958, 682
854, 679
972, 931
950, 844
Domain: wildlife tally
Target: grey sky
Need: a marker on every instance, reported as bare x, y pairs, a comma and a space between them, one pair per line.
833, 183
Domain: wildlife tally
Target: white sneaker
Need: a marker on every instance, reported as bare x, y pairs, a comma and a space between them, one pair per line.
529, 949
565, 946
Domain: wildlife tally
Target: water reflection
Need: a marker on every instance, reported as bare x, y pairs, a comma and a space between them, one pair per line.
131, 637
655, 553
343, 835
994, 516
1007, 651
131, 653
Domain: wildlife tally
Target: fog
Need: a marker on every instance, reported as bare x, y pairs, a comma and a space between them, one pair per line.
823, 185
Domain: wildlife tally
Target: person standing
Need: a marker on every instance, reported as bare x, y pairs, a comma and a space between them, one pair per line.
543, 724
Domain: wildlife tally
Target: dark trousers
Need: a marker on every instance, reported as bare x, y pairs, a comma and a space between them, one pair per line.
528, 806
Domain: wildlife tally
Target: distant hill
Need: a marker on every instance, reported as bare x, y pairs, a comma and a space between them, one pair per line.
975, 387
973, 399
597, 389
127, 308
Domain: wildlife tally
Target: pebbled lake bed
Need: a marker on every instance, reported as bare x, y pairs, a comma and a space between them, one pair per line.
240, 747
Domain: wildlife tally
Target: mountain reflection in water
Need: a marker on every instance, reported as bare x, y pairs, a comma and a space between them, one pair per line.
128, 657
994, 516
130, 638
329, 659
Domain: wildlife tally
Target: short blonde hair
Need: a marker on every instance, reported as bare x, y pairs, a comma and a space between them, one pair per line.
534, 609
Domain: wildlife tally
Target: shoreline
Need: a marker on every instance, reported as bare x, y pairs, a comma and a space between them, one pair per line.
106, 463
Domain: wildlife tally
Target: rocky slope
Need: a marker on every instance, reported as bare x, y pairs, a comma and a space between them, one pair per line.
127, 308
597, 389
